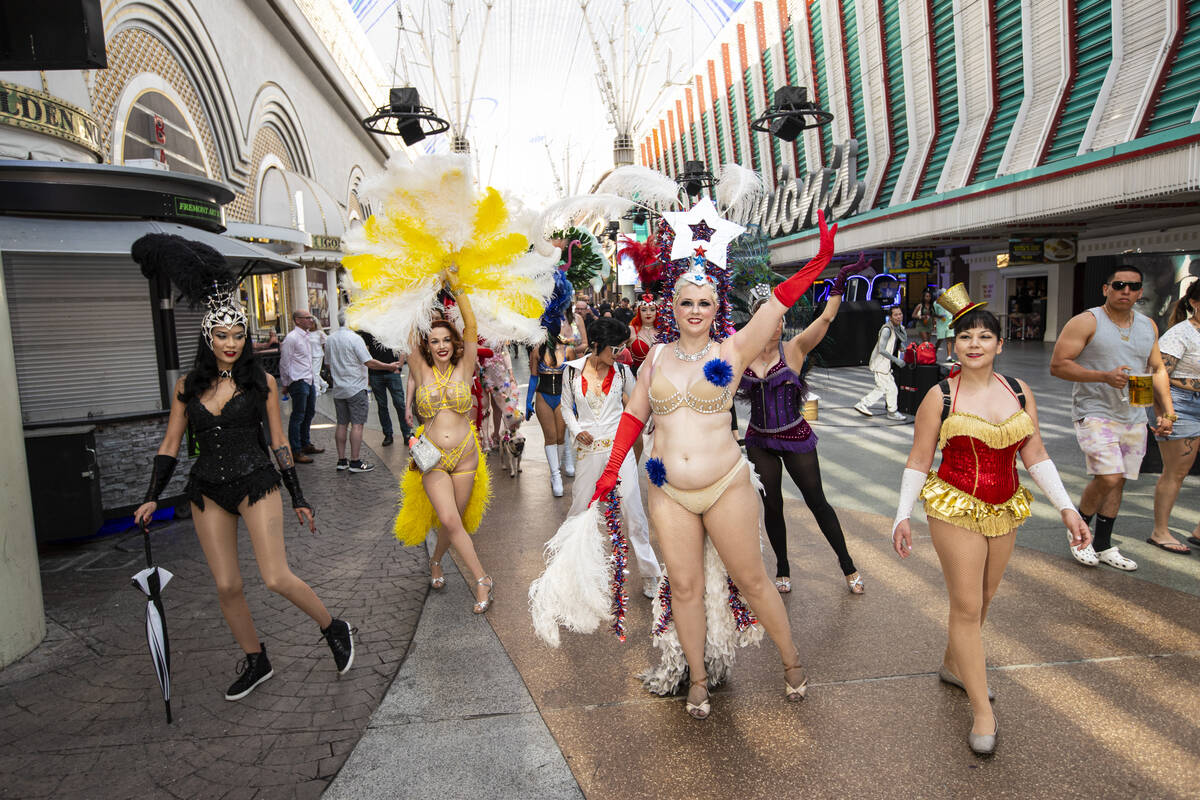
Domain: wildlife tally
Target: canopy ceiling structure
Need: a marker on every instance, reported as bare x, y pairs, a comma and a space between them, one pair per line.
538, 124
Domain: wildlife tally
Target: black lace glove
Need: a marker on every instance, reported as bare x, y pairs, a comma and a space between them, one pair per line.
292, 481
160, 476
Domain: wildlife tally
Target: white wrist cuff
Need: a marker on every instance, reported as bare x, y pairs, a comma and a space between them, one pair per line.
1046, 477
910, 488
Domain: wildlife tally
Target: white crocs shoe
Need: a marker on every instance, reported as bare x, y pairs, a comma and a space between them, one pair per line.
1086, 555
1112, 556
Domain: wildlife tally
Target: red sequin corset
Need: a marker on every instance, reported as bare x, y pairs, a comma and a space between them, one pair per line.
980, 457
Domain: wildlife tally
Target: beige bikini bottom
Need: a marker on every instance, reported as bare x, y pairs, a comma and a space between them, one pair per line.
698, 501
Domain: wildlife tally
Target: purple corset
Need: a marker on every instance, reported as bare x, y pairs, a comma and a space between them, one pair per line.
776, 410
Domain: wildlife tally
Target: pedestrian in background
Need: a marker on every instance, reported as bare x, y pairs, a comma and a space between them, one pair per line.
349, 361
1097, 350
298, 372
383, 382
888, 347
1180, 348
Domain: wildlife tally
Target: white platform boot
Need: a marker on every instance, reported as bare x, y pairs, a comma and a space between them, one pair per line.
556, 487
566, 457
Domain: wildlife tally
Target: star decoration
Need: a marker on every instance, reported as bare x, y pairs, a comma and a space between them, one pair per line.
701, 223
701, 231
700, 250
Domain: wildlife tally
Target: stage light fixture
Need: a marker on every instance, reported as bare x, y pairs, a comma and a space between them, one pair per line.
791, 114
403, 116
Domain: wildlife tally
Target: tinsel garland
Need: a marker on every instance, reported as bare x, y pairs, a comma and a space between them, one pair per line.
741, 614
664, 598
668, 329
743, 618
620, 554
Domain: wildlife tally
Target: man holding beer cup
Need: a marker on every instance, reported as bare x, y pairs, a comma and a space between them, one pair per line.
1110, 353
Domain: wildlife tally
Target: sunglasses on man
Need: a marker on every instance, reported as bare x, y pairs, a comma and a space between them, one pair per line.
1133, 286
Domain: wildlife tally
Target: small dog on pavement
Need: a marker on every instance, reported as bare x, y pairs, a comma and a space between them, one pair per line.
512, 445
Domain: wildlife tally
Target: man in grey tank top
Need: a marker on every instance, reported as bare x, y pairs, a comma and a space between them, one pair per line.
1097, 350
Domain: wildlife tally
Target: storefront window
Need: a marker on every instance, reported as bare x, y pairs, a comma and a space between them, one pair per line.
268, 300
318, 295
1166, 276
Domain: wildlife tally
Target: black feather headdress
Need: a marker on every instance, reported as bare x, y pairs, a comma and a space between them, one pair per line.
198, 271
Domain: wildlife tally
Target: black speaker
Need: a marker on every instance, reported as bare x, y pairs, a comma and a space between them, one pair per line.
789, 98
406, 100
51, 34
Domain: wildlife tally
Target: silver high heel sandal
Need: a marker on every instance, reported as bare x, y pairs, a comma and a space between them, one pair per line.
439, 582
481, 606
702, 709
794, 694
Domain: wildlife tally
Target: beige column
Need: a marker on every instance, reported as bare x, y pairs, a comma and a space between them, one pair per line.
22, 621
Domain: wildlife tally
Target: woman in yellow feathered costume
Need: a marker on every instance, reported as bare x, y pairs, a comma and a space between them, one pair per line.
434, 228
455, 491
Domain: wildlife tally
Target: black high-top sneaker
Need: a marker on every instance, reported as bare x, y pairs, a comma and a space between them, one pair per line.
252, 670
340, 638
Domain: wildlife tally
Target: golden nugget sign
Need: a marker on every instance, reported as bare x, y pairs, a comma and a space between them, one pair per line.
793, 205
43, 113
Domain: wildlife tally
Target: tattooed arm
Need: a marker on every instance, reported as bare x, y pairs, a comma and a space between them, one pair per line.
1186, 384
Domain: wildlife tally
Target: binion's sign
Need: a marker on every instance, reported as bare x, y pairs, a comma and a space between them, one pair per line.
793, 205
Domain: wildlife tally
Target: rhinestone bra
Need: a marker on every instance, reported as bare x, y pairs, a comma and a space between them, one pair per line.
664, 400
442, 394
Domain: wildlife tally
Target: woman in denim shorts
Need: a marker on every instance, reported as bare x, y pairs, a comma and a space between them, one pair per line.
1180, 348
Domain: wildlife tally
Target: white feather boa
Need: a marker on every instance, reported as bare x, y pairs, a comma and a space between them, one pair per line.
573, 592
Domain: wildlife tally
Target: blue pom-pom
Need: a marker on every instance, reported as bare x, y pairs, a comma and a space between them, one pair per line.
656, 472
718, 372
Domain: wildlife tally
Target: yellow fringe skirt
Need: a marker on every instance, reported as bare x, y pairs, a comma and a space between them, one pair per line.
416, 517
953, 505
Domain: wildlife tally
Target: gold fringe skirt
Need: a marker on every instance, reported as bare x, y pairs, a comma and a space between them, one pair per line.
951, 504
416, 517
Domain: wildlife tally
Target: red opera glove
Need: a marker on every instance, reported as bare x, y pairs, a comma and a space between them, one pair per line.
627, 433
790, 290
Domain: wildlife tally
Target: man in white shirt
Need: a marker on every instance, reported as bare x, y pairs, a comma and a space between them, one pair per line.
298, 375
888, 347
349, 361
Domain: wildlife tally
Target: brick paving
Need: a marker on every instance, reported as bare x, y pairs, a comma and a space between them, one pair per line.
81, 716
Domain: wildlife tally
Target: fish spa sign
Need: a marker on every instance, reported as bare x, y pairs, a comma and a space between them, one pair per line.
793, 205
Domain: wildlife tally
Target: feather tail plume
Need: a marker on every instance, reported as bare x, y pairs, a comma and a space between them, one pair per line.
738, 188
573, 590
646, 186
566, 211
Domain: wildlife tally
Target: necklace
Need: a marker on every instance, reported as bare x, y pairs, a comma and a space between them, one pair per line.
1124, 332
224, 373
682, 356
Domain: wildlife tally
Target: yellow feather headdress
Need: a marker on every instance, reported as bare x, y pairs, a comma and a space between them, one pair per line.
433, 227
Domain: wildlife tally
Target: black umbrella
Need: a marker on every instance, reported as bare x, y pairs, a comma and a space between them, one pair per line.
151, 581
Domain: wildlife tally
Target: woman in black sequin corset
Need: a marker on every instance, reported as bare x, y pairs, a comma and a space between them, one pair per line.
225, 399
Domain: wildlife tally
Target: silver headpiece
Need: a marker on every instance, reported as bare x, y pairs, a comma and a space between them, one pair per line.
224, 310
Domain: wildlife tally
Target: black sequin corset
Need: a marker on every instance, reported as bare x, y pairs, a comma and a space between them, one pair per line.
230, 443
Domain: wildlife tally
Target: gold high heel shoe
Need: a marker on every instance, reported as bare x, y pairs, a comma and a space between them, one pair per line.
440, 581
796, 693
481, 606
702, 709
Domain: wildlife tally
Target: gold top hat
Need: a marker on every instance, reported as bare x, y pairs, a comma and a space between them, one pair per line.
956, 301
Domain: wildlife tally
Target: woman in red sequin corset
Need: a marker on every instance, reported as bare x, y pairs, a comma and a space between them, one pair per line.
643, 333
975, 501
